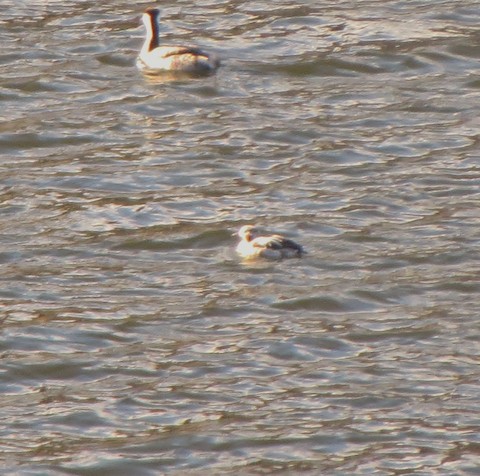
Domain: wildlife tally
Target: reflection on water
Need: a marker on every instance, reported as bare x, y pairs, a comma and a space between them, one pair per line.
134, 339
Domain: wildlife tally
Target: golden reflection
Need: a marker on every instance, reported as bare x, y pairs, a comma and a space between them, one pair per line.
162, 77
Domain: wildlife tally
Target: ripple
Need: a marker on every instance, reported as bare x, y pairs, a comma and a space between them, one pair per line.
324, 304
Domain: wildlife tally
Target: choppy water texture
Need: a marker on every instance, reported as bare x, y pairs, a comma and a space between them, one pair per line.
134, 342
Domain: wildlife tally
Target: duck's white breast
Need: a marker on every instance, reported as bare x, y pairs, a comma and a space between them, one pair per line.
248, 250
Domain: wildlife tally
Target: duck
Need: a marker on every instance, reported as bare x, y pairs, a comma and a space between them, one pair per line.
180, 59
274, 247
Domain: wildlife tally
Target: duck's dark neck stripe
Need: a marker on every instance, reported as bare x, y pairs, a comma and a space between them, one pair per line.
154, 42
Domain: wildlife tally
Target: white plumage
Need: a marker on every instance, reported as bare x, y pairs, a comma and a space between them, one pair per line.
253, 245
181, 59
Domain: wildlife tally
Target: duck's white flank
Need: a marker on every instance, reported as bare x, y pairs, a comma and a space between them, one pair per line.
254, 245
182, 59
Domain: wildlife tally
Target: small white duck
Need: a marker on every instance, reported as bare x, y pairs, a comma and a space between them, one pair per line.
253, 245
180, 59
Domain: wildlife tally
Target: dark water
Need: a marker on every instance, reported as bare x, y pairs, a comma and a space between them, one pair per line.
136, 343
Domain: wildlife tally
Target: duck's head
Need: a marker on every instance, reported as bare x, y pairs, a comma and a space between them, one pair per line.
150, 17
248, 232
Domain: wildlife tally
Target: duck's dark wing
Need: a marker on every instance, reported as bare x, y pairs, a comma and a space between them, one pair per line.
278, 242
286, 243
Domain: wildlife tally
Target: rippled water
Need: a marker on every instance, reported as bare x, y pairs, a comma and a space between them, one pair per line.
135, 342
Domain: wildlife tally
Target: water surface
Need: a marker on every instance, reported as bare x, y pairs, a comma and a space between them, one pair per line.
135, 342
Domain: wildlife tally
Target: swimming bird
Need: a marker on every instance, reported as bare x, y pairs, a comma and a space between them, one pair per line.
254, 245
181, 59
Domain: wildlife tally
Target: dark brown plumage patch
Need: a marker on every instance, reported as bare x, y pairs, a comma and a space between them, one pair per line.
154, 13
280, 242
